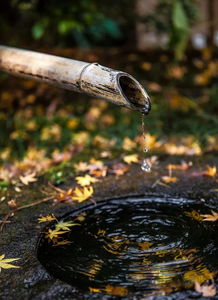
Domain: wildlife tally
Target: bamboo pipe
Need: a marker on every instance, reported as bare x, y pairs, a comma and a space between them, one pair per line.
90, 78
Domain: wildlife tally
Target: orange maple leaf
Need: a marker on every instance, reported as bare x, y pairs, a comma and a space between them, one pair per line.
212, 218
210, 171
168, 179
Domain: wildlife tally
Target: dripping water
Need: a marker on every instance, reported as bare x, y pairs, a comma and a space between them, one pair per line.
145, 165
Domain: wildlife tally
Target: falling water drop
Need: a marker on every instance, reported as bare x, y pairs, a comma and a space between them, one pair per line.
145, 165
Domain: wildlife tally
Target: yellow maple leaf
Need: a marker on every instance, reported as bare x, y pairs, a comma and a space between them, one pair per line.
28, 178
4, 262
86, 180
200, 275
46, 218
212, 218
168, 179
132, 158
54, 233
128, 144
65, 225
81, 195
210, 171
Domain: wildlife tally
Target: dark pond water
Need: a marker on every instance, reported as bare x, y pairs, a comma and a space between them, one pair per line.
138, 246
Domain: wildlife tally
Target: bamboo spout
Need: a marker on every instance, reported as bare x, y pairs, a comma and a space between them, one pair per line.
90, 78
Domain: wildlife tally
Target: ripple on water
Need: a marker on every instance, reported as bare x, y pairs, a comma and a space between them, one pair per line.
134, 247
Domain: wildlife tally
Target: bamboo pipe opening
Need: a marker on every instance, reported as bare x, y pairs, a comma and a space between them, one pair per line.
134, 93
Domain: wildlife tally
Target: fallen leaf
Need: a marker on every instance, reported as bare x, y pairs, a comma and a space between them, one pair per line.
12, 204
53, 234
65, 195
81, 217
86, 180
128, 144
132, 158
194, 214
28, 178
102, 172
46, 218
168, 179
183, 166
210, 171
81, 195
212, 218
62, 243
81, 166
207, 290
116, 290
4, 262
119, 169
65, 225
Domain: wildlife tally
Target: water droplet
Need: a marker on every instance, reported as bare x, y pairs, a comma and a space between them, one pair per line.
145, 166
145, 150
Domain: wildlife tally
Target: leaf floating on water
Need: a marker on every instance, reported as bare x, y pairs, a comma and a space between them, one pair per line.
132, 158
145, 245
5, 262
210, 171
212, 218
116, 290
199, 275
62, 243
28, 178
54, 234
194, 214
86, 180
81, 217
81, 195
48, 218
65, 225
207, 290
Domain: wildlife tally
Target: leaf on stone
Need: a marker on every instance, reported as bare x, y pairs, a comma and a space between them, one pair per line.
132, 158
65, 225
168, 179
47, 218
119, 169
5, 262
86, 180
26, 179
83, 194
212, 218
183, 166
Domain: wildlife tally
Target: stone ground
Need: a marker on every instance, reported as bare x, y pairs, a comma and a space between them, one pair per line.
19, 237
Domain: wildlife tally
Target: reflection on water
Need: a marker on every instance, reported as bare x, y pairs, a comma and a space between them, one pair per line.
135, 247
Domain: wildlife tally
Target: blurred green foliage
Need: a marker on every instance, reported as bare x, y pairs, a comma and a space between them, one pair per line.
64, 23
174, 18
87, 23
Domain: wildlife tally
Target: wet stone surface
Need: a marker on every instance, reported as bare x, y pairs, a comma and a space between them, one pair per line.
19, 237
